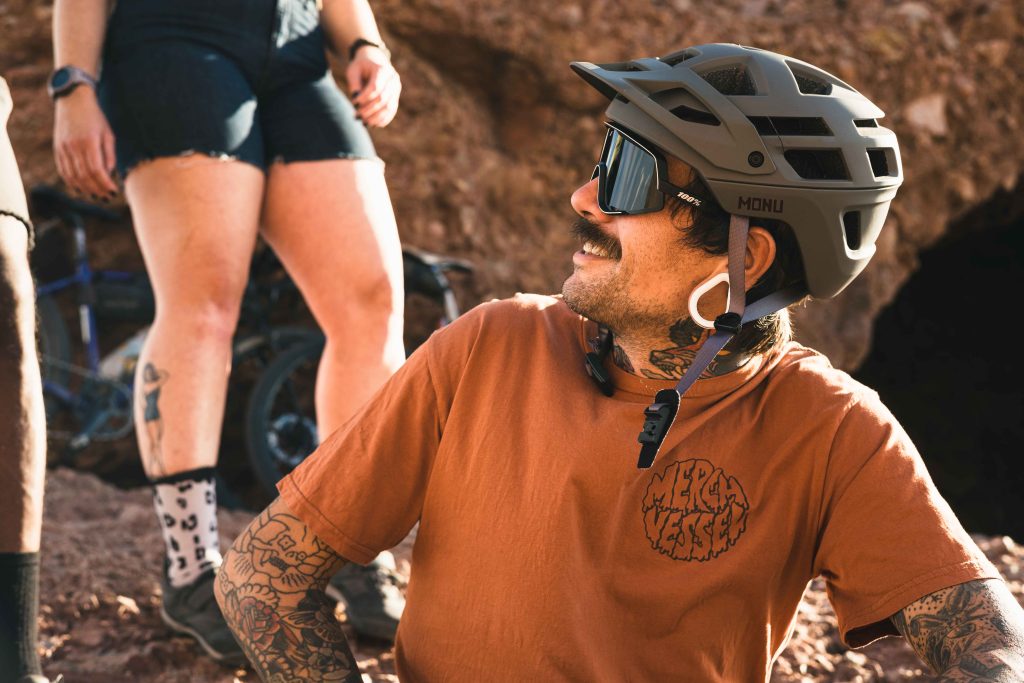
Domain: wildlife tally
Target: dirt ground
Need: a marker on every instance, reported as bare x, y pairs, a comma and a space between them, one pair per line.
100, 598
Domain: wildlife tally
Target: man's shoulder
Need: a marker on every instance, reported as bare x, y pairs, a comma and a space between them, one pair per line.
520, 324
520, 313
808, 374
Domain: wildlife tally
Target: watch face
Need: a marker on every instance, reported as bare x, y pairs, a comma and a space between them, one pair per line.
60, 78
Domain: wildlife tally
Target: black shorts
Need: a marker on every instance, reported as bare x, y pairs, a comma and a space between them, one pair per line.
240, 79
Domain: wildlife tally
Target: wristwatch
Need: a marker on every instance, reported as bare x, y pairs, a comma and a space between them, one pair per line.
363, 42
66, 79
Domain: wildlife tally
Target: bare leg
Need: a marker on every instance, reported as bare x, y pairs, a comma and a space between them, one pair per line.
196, 219
332, 225
22, 426
22, 419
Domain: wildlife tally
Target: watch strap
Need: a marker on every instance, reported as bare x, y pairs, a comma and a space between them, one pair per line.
75, 78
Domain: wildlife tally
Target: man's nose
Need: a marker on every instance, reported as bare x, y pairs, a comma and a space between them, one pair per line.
584, 202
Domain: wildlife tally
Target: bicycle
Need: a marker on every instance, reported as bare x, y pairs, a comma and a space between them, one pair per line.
281, 419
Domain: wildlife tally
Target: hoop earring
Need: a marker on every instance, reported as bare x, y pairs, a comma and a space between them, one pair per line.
700, 291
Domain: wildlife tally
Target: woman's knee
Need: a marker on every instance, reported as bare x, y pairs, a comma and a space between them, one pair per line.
200, 319
370, 306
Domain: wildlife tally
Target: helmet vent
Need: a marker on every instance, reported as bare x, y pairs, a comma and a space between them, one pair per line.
865, 123
790, 125
818, 164
695, 115
811, 86
623, 66
734, 80
851, 229
678, 57
879, 159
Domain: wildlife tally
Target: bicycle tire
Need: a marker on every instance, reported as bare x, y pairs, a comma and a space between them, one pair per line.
275, 414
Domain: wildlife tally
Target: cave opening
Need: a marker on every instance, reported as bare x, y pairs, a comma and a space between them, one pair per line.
944, 359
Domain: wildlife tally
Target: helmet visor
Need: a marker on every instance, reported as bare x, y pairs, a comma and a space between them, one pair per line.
627, 176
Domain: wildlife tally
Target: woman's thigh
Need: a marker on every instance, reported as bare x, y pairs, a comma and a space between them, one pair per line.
196, 219
332, 225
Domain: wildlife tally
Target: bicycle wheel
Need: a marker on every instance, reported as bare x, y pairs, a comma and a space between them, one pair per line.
281, 415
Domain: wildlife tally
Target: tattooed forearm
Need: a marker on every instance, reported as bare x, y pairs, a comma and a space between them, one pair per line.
271, 591
970, 632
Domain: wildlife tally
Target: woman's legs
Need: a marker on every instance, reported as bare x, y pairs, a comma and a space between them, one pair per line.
332, 225
196, 219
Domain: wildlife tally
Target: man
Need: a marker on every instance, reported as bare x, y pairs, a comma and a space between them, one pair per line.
544, 553
22, 427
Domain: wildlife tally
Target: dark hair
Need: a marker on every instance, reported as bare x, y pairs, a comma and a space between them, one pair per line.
708, 229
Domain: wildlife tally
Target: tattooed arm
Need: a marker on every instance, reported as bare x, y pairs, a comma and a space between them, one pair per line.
970, 632
271, 591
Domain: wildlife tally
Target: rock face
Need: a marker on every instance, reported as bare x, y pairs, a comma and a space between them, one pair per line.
494, 131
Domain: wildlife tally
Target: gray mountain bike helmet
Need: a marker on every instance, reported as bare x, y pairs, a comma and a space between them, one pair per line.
771, 137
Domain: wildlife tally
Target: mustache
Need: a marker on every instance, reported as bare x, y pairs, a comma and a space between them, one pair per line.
585, 231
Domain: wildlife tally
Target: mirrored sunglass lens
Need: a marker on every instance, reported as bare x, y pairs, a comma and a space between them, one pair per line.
630, 184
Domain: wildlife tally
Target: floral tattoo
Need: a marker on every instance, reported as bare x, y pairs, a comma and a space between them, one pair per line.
970, 632
271, 590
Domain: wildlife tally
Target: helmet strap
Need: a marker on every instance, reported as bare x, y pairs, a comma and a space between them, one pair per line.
662, 413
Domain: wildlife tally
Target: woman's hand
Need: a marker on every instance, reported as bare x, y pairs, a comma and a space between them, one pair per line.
83, 144
374, 85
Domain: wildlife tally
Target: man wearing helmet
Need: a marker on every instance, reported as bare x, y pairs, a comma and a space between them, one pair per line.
555, 543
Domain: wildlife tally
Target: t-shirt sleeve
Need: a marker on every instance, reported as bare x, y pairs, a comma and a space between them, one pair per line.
887, 538
362, 490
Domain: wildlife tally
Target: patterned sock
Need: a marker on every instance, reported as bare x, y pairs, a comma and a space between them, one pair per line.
186, 504
19, 604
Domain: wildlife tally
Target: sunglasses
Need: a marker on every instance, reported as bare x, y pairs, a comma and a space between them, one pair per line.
631, 177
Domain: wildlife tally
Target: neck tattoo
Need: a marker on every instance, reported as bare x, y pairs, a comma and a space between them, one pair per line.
670, 361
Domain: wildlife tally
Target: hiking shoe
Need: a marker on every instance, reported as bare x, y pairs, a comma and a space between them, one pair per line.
372, 597
193, 611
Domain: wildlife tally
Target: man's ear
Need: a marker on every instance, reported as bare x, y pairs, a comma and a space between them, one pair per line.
760, 254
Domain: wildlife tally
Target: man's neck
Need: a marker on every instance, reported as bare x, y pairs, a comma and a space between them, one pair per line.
668, 353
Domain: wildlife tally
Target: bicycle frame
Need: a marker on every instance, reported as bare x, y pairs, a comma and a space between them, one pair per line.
83, 277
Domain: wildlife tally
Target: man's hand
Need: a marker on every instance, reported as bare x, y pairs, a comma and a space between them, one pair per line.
271, 591
375, 86
83, 144
970, 632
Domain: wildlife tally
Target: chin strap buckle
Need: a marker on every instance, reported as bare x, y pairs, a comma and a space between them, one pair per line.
729, 323
659, 416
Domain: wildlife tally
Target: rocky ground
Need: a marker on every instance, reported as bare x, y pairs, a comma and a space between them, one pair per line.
100, 599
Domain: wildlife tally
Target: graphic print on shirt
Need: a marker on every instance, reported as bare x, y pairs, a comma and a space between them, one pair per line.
694, 511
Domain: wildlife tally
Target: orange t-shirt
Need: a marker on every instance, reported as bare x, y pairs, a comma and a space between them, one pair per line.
544, 554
